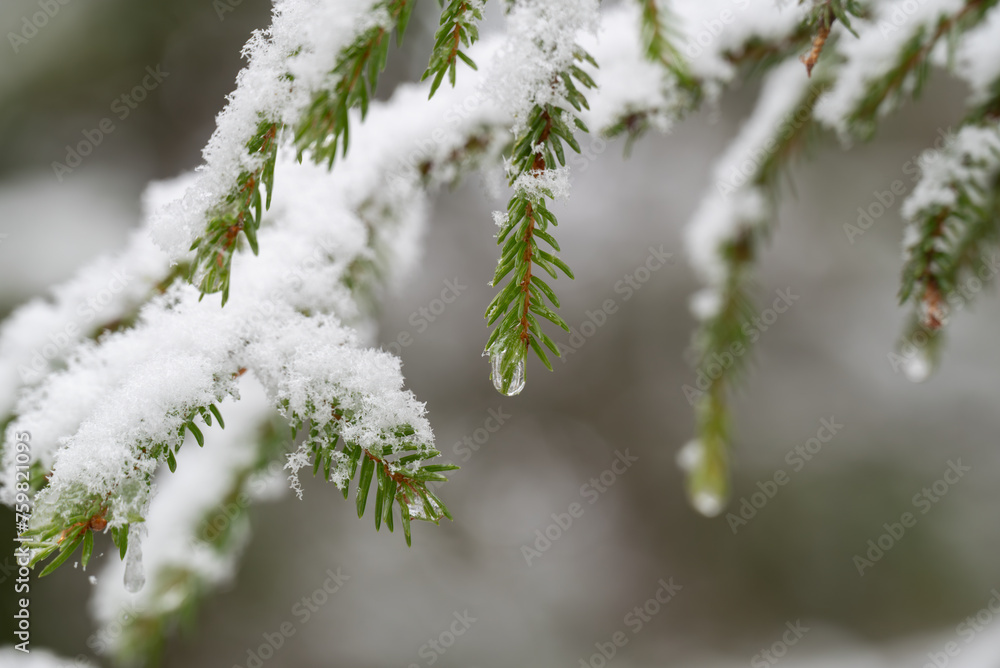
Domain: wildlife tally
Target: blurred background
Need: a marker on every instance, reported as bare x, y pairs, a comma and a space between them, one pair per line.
825, 358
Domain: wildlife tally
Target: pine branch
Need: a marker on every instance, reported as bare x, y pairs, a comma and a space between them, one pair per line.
399, 475
533, 173
325, 126
723, 342
658, 45
175, 587
821, 20
240, 212
79, 514
321, 130
954, 215
458, 28
909, 72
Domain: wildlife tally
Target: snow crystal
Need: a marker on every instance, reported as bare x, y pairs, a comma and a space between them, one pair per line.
541, 43
534, 185
973, 157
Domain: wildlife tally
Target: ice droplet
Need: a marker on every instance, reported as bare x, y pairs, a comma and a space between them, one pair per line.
707, 503
706, 304
516, 381
416, 508
135, 576
917, 368
690, 456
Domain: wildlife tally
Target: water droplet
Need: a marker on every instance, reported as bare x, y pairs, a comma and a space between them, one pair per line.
690, 456
706, 304
917, 367
708, 503
516, 381
135, 576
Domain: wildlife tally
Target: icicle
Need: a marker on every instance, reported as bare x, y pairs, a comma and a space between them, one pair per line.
135, 576
416, 508
517, 379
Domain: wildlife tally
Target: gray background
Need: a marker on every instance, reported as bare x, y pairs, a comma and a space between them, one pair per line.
825, 357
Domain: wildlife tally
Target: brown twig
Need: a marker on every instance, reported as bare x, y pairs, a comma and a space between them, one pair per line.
819, 41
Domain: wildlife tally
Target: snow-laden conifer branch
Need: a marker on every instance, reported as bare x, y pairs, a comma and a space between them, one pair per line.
953, 215
324, 127
458, 28
542, 60
116, 366
348, 400
891, 59
317, 62
724, 240
197, 530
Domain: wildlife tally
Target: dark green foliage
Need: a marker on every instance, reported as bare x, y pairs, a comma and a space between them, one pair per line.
539, 147
458, 28
325, 126
399, 475
239, 213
